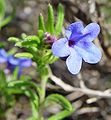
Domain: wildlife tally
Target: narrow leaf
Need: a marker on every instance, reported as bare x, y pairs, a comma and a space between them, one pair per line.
24, 55
15, 74
34, 100
2, 9
41, 25
50, 20
67, 107
25, 84
29, 43
60, 20
13, 39
2, 80
33, 38
60, 116
8, 19
61, 100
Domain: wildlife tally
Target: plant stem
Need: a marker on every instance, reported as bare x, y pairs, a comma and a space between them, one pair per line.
42, 93
43, 88
44, 74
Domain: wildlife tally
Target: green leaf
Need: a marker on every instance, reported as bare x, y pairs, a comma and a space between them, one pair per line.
25, 84
33, 38
60, 20
48, 57
60, 115
13, 39
25, 77
33, 98
2, 9
2, 80
15, 73
8, 19
24, 54
63, 102
19, 44
29, 43
40, 33
14, 90
23, 36
12, 51
52, 59
50, 20
25, 87
2, 44
41, 25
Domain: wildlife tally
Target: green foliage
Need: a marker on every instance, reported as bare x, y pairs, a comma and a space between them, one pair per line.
49, 25
35, 44
67, 108
23, 87
6, 100
9, 88
36, 49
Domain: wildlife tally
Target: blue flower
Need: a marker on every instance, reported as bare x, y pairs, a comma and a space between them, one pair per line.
13, 62
21, 63
78, 46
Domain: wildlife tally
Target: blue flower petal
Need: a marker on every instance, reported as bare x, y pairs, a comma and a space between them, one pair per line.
75, 27
2, 60
12, 60
74, 62
25, 62
3, 56
89, 52
68, 34
60, 48
90, 32
3, 52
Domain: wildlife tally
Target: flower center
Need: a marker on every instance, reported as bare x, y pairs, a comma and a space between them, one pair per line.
71, 43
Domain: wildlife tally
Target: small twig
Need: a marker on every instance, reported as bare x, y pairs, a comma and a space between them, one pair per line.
83, 88
87, 110
59, 82
54, 87
92, 100
74, 96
